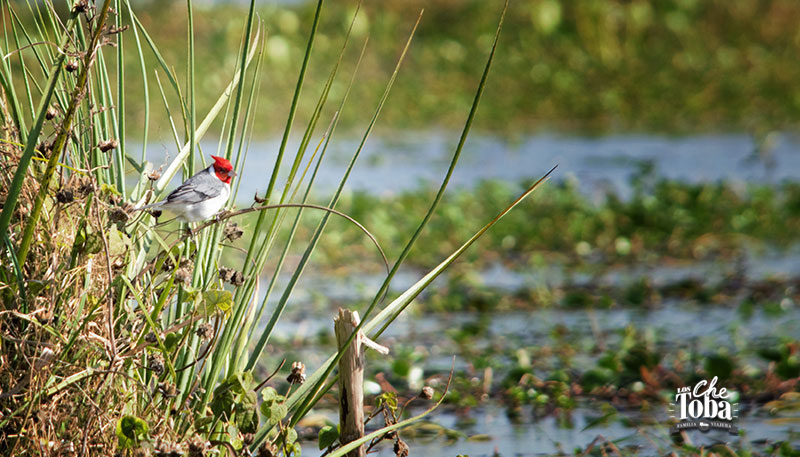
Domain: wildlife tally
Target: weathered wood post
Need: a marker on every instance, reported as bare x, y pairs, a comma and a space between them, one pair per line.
351, 378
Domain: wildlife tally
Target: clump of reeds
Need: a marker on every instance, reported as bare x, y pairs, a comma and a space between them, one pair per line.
115, 335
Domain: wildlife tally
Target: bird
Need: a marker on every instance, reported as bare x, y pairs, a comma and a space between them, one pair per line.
202, 195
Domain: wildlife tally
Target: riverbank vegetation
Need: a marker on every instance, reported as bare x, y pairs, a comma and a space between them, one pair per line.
114, 338
123, 333
591, 65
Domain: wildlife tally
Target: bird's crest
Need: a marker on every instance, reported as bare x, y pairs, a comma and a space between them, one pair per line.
222, 163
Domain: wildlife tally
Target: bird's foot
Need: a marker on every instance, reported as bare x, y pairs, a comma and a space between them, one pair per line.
189, 232
221, 215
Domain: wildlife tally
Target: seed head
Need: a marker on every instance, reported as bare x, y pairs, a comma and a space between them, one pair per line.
65, 196
400, 448
197, 447
205, 331
183, 275
107, 145
117, 214
267, 450
71, 65
156, 364
298, 374
231, 276
427, 393
80, 6
226, 273
86, 187
51, 113
232, 231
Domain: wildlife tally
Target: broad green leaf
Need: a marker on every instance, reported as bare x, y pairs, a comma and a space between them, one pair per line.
327, 436
118, 243
269, 394
131, 431
217, 300
291, 436
273, 412
223, 401
247, 413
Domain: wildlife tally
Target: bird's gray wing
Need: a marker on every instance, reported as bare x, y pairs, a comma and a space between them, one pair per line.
198, 188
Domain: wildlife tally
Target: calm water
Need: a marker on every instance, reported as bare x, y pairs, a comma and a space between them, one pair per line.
404, 161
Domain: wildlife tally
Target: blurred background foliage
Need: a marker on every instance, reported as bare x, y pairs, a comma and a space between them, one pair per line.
671, 66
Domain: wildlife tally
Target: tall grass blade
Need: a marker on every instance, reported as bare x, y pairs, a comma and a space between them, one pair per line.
61, 139
315, 380
257, 244
309, 400
321, 227
301, 151
15, 188
176, 164
286, 133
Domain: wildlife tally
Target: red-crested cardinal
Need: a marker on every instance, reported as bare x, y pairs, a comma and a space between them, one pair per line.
202, 195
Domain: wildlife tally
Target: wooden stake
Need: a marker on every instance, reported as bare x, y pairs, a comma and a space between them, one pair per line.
351, 378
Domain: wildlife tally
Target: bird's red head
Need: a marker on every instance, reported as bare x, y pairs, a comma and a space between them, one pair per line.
223, 169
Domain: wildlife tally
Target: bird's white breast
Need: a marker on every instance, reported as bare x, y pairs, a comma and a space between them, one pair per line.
203, 210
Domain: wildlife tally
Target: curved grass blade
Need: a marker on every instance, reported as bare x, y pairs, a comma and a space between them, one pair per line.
307, 136
315, 380
334, 200
240, 296
385, 286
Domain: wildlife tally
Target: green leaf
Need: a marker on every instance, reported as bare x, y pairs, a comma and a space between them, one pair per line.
201, 423
93, 243
217, 300
273, 411
291, 436
387, 398
235, 401
223, 401
118, 244
245, 383
107, 189
327, 436
171, 341
130, 431
247, 413
269, 394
